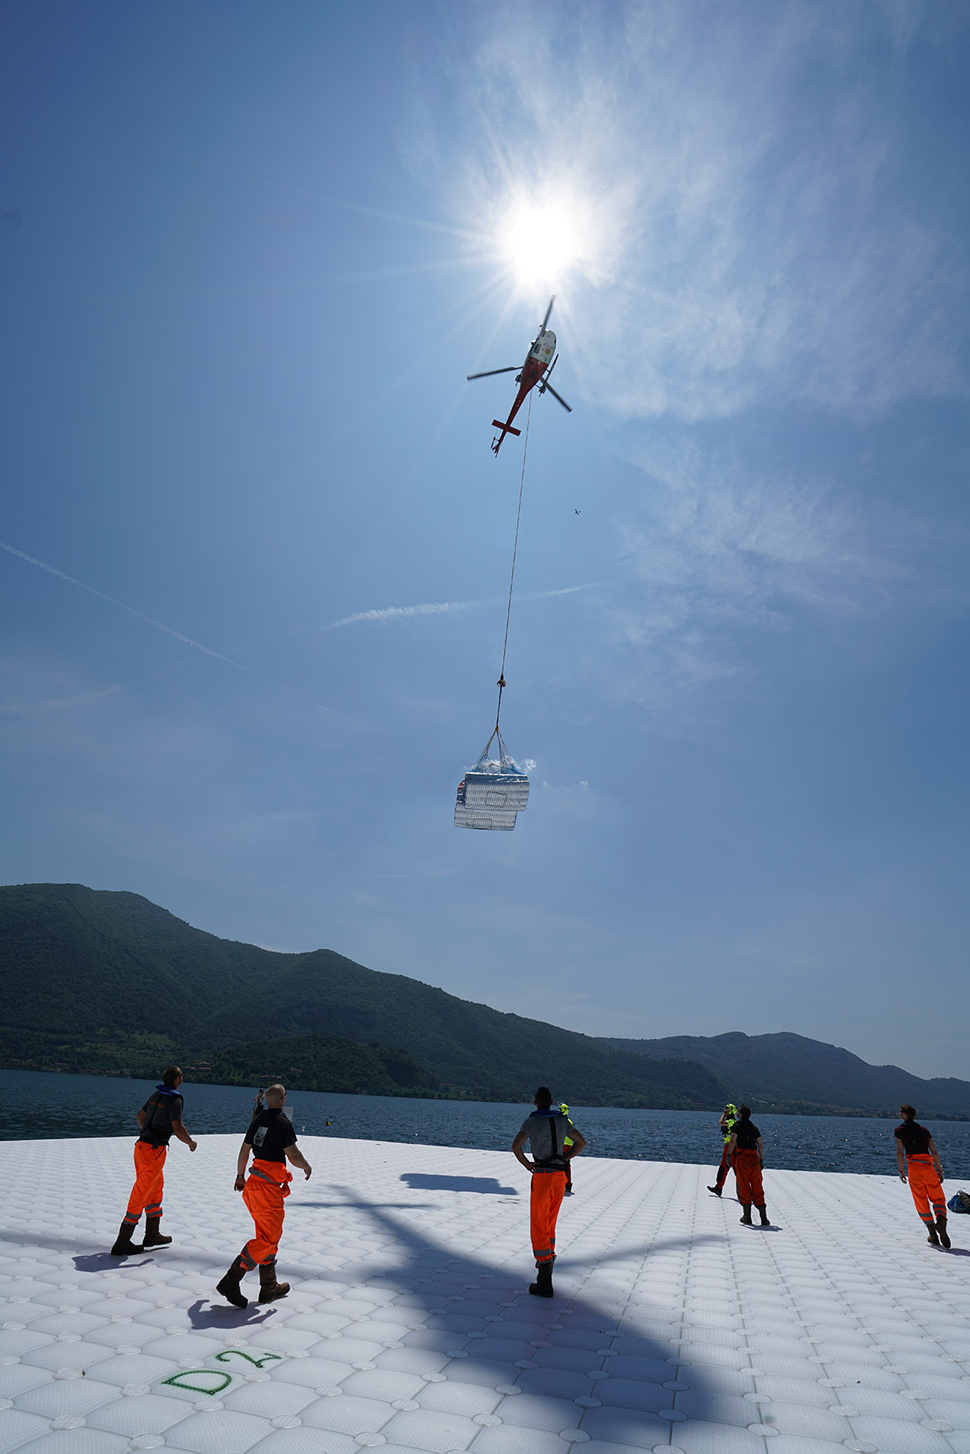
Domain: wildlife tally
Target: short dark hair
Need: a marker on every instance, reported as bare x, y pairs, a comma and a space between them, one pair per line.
543, 1098
909, 1112
170, 1075
744, 1114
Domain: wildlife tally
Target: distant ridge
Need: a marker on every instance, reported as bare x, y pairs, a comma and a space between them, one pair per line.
790, 1074
109, 983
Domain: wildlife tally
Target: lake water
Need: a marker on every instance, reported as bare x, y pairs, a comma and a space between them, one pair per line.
39, 1106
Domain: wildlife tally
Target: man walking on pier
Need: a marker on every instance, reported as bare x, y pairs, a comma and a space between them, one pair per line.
546, 1130
272, 1140
159, 1118
917, 1155
725, 1125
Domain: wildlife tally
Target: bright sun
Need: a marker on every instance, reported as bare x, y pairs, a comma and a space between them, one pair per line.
540, 242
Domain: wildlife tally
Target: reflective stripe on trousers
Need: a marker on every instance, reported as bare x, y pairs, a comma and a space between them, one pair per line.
545, 1200
925, 1186
263, 1195
146, 1194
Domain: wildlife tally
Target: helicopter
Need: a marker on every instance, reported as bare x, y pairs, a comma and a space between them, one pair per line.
535, 370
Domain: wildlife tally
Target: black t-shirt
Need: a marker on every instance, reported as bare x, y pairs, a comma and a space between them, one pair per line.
915, 1138
270, 1134
162, 1108
747, 1134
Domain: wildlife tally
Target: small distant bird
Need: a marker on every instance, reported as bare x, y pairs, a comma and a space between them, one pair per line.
577, 512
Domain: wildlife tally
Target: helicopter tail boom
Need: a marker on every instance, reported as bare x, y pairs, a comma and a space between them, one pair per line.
498, 424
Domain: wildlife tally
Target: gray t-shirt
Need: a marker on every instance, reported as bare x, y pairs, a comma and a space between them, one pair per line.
547, 1132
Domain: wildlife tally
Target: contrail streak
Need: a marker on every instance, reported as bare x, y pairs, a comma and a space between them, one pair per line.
159, 626
441, 608
401, 613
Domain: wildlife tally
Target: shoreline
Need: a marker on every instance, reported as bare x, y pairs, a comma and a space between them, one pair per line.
42, 1106
786, 1108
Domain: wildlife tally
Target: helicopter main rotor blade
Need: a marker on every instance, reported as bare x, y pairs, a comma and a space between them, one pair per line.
548, 311
558, 398
489, 372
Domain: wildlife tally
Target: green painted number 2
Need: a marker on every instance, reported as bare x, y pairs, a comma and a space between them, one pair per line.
257, 1362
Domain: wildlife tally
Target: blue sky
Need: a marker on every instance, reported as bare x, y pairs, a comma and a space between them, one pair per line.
249, 254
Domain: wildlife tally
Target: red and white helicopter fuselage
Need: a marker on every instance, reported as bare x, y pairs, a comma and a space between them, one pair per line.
539, 363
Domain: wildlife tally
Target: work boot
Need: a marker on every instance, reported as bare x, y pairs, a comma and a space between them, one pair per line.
230, 1288
715, 1189
746, 1219
153, 1237
542, 1287
941, 1229
764, 1216
932, 1238
269, 1288
124, 1246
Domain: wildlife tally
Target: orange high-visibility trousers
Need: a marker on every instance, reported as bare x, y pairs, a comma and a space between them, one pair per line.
146, 1194
747, 1171
263, 1194
925, 1186
548, 1188
727, 1161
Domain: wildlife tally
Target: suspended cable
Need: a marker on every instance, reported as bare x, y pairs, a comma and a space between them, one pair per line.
515, 551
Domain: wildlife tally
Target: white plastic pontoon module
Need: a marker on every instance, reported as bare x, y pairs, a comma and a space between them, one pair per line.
493, 791
491, 799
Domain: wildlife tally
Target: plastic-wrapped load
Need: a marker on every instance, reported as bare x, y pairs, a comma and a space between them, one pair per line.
492, 792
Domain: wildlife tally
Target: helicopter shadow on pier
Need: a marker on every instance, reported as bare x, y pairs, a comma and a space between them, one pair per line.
487, 1330
426, 1181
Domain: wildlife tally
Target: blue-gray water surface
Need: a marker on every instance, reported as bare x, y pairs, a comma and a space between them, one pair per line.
38, 1106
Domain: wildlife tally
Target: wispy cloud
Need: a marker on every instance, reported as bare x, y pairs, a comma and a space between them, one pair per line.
746, 540
757, 236
716, 545
755, 231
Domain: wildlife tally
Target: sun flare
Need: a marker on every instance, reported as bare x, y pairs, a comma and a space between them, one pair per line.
540, 242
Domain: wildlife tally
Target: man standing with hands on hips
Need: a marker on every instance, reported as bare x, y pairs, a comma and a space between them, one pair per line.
272, 1140
546, 1130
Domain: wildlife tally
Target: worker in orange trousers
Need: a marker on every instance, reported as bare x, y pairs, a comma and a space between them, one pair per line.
918, 1158
160, 1118
746, 1153
546, 1130
273, 1140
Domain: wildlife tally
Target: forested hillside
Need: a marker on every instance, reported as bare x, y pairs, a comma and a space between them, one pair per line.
789, 1073
110, 983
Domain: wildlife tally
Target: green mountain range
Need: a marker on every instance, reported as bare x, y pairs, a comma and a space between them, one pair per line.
795, 1076
110, 984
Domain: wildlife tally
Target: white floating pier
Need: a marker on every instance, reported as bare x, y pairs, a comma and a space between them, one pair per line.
409, 1326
